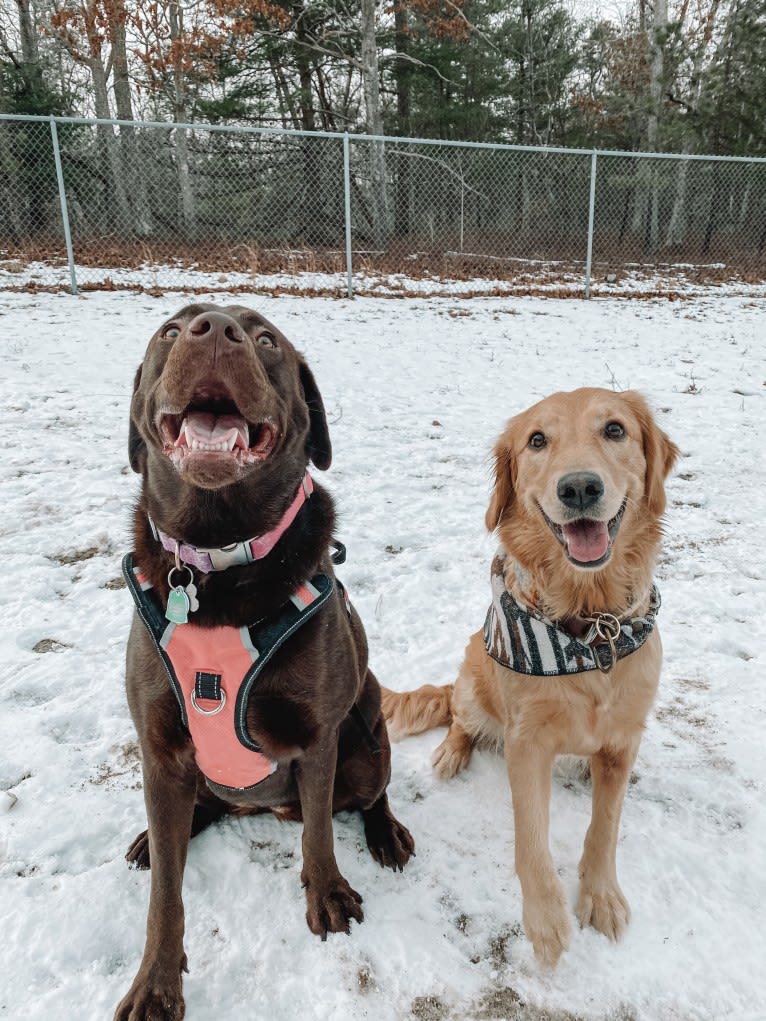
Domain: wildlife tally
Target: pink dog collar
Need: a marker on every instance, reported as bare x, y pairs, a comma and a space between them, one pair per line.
208, 559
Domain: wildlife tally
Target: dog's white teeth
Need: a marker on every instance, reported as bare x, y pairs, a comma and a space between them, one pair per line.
183, 436
214, 448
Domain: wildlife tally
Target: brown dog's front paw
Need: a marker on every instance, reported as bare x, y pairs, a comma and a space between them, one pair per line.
137, 855
547, 925
331, 906
390, 843
605, 908
152, 1001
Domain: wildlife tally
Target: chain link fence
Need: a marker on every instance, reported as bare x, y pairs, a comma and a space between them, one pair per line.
89, 204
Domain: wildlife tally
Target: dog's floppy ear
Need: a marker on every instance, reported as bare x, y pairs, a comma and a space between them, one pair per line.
319, 448
505, 480
660, 453
136, 445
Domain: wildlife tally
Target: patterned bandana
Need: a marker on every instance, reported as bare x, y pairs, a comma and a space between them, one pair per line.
530, 643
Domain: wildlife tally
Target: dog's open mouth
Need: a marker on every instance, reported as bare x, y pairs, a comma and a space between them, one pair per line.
586, 541
216, 430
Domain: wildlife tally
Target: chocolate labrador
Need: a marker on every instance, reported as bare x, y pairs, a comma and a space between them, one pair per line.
247, 673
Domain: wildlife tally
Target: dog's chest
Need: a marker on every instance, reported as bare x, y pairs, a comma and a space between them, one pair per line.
602, 710
212, 672
574, 715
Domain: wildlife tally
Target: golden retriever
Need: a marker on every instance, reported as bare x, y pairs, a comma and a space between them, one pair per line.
569, 659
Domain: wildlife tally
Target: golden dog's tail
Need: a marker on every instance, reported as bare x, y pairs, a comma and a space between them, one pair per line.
412, 712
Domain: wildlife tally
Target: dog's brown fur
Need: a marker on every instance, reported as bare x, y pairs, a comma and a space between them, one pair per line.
298, 711
588, 714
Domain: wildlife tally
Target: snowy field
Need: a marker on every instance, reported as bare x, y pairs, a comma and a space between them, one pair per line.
416, 392
528, 276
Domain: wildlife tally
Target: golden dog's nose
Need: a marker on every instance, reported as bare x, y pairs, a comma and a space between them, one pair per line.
580, 490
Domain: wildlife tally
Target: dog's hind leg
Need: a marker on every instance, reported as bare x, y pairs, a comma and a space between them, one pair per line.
454, 753
389, 841
205, 813
475, 718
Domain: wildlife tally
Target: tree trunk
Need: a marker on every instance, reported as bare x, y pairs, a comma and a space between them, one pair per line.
181, 116
29, 52
371, 88
646, 210
116, 208
402, 78
131, 167
311, 199
287, 106
529, 71
677, 226
12, 199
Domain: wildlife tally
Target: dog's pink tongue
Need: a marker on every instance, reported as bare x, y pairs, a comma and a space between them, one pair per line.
586, 540
211, 429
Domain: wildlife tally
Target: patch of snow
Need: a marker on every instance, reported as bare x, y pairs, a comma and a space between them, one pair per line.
416, 391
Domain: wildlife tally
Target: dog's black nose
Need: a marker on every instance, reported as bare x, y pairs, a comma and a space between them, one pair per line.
216, 327
580, 490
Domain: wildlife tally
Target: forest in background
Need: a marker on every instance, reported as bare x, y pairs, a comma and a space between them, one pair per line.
686, 76
675, 76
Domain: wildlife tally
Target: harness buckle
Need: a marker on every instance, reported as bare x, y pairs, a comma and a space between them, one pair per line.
235, 555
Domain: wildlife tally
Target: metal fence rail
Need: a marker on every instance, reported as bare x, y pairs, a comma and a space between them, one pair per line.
118, 203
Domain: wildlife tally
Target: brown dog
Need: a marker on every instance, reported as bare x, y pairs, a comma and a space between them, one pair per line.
257, 670
569, 659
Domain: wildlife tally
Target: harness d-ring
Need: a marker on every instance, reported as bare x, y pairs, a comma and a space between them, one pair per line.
209, 712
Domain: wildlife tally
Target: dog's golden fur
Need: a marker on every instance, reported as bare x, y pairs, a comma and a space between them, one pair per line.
590, 714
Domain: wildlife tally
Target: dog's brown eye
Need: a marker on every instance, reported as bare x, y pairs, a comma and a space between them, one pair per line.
614, 431
171, 332
537, 441
266, 340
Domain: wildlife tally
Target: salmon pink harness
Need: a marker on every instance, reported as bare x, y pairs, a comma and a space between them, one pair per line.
212, 672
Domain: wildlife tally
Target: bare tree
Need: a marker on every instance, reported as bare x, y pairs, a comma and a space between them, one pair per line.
374, 118
85, 31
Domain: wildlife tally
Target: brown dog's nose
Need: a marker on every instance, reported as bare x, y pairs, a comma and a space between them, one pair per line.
216, 327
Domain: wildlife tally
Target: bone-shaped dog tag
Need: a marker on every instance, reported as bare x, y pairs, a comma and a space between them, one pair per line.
179, 604
191, 592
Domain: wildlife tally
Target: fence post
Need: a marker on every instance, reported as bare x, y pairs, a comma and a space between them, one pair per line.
347, 210
64, 210
591, 214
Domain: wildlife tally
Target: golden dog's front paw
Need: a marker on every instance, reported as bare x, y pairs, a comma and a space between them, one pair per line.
547, 925
604, 907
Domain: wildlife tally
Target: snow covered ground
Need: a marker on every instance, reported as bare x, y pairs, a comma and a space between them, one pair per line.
535, 276
416, 392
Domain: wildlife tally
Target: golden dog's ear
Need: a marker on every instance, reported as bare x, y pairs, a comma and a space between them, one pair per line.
136, 445
505, 481
660, 453
319, 447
